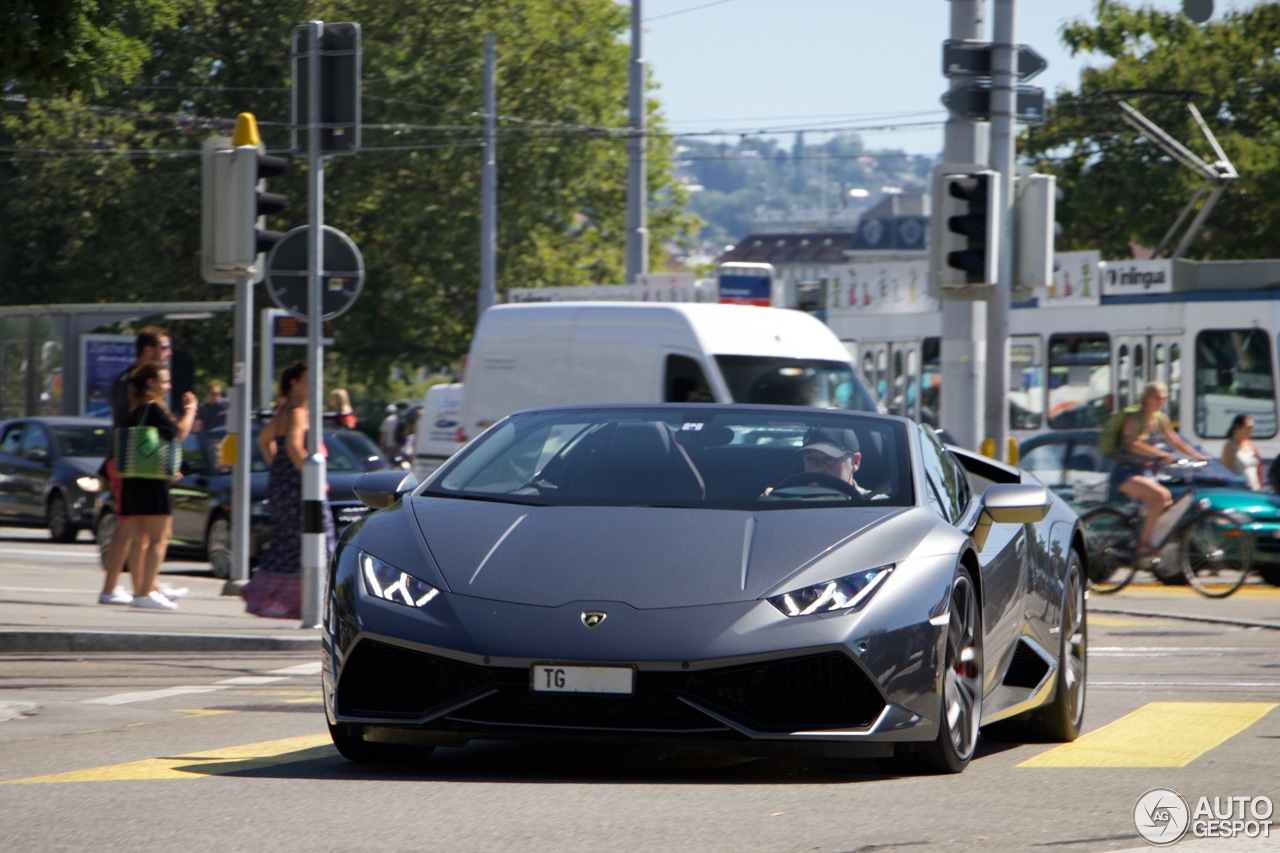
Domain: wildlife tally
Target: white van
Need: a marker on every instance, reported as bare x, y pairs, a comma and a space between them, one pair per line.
563, 353
436, 435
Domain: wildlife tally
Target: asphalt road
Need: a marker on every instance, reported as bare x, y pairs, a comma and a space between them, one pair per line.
140, 751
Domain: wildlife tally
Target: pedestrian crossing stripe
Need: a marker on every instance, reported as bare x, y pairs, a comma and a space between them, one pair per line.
1159, 734
213, 762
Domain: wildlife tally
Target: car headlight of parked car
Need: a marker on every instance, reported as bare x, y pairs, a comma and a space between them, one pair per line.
89, 484
383, 580
847, 593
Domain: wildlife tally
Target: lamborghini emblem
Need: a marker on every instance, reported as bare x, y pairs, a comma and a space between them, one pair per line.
592, 618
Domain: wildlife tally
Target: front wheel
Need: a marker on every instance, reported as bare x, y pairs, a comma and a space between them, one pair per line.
1217, 554
961, 700
217, 546
60, 527
105, 529
1108, 543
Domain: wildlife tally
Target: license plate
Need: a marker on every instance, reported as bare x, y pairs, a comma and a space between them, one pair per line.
549, 678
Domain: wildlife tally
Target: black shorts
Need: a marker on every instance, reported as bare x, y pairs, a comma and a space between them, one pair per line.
140, 496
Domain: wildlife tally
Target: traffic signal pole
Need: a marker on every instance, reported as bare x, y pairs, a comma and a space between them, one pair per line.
1004, 80
963, 321
313, 470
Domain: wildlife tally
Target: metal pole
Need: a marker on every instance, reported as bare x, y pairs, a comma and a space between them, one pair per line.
488, 294
313, 470
241, 425
964, 321
1004, 79
637, 192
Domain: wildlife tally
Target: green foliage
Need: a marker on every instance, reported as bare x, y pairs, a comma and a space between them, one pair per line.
64, 46
1118, 186
101, 200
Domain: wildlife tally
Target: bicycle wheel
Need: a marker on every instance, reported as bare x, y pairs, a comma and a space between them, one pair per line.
1217, 554
1108, 543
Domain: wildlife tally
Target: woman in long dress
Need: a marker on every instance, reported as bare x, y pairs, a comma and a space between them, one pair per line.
276, 587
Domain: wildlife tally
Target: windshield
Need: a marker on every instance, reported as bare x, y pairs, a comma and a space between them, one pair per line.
684, 456
82, 440
794, 382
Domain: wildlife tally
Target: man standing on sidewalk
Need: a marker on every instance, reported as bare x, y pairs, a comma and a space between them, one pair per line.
151, 344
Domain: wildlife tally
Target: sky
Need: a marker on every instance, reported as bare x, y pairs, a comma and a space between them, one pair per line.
744, 66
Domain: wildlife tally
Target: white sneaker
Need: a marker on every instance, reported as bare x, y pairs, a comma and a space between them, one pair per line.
116, 596
173, 593
153, 601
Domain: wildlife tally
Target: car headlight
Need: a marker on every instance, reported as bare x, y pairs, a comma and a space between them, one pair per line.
847, 593
385, 581
89, 484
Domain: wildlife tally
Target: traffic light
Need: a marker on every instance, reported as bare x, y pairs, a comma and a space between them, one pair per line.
965, 231
236, 202
1035, 198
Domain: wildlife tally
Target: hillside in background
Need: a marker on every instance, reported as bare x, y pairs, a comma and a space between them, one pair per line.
758, 184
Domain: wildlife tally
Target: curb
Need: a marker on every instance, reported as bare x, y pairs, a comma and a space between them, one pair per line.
1241, 623
104, 641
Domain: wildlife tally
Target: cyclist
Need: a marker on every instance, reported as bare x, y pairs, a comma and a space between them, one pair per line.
1137, 456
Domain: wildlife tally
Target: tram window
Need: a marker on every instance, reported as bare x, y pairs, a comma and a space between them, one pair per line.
1079, 380
1233, 375
1124, 392
930, 379
1175, 383
1026, 388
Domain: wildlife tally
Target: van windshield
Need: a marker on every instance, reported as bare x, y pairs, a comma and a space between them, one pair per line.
795, 382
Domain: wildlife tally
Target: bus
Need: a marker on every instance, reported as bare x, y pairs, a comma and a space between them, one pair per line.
1086, 346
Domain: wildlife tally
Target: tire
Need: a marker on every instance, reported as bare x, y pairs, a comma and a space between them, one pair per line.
1216, 554
960, 705
1061, 720
103, 532
217, 546
60, 527
350, 742
1108, 542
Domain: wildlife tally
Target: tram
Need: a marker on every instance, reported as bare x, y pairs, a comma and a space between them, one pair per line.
1087, 345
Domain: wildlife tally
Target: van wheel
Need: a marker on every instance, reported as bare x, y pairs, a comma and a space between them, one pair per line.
60, 527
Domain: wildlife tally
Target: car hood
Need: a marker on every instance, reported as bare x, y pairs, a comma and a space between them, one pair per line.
84, 465
652, 557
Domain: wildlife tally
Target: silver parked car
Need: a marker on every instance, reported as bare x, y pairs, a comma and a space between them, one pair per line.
771, 577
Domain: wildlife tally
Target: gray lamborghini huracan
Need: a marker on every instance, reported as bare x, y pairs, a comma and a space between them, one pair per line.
777, 579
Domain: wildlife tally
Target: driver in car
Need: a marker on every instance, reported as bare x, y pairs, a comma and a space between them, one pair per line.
828, 453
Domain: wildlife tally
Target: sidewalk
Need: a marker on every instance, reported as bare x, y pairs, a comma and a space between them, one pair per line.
55, 609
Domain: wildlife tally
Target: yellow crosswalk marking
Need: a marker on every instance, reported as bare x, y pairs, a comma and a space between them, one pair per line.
1161, 734
214, 762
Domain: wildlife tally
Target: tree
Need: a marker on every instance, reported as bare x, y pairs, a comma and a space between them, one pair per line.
127, 163
1119, 187
49, 46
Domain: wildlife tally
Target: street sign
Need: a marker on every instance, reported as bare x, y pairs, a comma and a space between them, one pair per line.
339, 85
972, 100
962, 58
341, 280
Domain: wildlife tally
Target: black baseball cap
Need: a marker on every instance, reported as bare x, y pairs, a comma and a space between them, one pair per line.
831, 441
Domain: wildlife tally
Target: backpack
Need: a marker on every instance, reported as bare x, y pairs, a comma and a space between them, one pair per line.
1109, 441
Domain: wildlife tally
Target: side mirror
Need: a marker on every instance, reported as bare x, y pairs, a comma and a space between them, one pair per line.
1011, 503
380, 489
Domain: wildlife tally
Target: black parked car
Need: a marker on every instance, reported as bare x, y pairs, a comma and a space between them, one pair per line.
49, 472
202, 496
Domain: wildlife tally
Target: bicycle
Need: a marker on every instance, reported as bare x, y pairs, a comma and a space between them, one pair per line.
1215, 552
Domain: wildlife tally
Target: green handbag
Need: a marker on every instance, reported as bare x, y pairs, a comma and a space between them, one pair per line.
142, 452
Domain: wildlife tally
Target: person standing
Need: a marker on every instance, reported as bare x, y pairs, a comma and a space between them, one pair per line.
391, 433
212, 413
1240, 454
146, 499
275, 590
151, 344
340, 403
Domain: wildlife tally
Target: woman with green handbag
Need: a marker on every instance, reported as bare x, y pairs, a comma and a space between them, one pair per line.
150, 457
